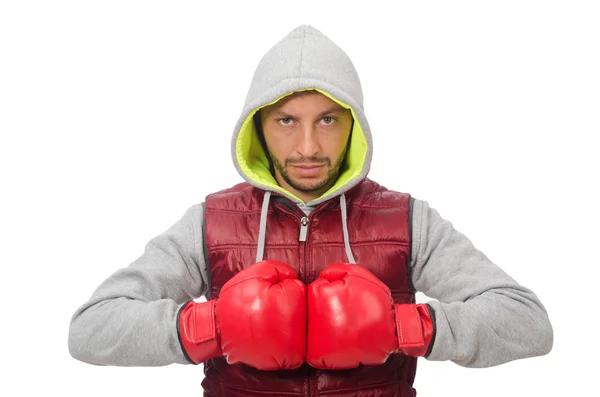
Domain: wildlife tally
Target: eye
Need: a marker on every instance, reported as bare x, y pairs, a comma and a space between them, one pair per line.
327, 120
285, 121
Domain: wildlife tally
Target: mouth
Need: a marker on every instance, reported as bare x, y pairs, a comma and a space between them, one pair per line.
308, 170
309, 166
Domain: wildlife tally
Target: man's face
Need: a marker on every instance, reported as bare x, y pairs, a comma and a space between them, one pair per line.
306, 134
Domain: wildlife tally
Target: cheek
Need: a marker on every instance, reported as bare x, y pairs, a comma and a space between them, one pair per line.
280, 146
336, 144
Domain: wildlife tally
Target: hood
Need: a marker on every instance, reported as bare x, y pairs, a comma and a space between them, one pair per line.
305, 59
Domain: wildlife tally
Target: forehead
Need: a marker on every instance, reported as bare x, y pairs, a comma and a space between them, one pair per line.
304, 100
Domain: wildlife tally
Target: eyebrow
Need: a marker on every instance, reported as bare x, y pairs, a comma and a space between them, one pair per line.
334, 109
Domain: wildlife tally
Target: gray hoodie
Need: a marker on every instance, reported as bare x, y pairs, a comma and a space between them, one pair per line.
482, 316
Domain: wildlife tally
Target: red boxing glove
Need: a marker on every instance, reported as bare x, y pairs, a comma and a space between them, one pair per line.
352, 320
258, 320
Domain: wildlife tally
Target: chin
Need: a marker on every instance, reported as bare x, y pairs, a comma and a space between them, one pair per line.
309, 184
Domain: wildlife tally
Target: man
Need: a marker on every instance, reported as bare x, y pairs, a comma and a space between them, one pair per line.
309, 268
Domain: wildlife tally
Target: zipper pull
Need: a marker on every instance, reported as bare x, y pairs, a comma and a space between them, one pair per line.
303, 228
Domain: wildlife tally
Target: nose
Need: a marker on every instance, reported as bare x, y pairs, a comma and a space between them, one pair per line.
308, 144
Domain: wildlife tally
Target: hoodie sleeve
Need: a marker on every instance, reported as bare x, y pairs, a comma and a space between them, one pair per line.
482, 316
131, 318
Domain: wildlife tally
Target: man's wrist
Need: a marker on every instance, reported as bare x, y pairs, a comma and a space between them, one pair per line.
197, 331
415, 328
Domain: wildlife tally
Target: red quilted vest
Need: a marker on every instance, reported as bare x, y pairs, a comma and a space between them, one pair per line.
378, 226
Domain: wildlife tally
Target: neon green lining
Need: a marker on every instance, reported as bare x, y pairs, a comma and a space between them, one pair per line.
253, 161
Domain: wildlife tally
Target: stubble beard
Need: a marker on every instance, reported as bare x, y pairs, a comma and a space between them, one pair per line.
332, 173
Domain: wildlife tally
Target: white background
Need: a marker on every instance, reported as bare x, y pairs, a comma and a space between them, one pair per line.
116, 116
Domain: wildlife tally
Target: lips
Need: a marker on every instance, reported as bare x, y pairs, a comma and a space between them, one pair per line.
308, 170
309, 166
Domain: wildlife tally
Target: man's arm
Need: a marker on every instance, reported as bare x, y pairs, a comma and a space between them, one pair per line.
482, 316
131, 319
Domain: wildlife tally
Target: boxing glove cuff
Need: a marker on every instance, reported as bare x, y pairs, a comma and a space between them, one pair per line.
197, 331
415, 328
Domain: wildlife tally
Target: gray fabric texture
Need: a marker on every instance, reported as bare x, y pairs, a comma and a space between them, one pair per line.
130, 320
349, 254
262, 232
483, 316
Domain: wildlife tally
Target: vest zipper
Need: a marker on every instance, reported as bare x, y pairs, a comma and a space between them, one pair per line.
304, 221
308, 277
303, 228
302, 239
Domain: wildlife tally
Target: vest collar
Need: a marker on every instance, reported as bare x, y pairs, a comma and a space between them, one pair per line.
262, 232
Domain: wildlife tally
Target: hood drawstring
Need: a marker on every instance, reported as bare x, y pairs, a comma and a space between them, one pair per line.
345, 229
262, 231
